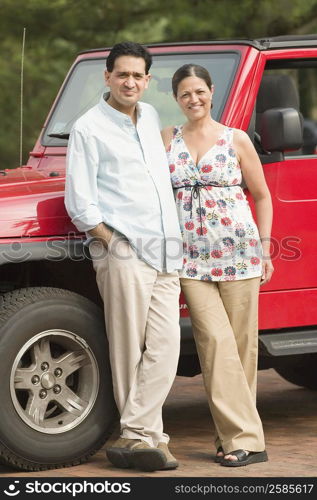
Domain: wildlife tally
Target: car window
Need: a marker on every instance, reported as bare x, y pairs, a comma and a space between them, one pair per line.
85, 86
303, 74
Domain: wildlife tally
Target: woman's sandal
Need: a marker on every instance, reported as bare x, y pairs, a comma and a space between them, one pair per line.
219, 458
253, 457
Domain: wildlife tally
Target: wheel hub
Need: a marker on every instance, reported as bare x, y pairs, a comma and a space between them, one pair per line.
47, 380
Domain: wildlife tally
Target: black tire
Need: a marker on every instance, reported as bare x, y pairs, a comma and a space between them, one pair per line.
34, 317
300, 370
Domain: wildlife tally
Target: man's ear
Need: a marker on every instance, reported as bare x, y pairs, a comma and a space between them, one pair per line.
107, 76
147, 80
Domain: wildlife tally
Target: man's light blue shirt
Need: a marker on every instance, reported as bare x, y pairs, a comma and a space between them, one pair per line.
117, 173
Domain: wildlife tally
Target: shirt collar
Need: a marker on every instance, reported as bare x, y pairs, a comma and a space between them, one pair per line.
116, 115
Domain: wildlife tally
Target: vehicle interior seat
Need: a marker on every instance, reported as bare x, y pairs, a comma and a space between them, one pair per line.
276, 91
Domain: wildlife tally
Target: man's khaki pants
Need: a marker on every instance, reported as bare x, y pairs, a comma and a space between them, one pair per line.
141, 308
224, 316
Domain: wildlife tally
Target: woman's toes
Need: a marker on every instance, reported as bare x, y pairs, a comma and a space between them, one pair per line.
233, 458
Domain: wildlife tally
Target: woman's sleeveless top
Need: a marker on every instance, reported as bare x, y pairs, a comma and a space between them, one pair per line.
220, 238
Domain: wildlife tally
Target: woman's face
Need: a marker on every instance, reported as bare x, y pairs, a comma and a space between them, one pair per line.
194, 97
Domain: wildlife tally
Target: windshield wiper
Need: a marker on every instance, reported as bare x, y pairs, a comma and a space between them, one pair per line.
61, 135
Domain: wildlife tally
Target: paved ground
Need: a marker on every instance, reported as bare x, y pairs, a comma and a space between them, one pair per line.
290, 424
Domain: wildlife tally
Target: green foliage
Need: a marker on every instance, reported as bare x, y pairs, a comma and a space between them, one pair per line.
58, 29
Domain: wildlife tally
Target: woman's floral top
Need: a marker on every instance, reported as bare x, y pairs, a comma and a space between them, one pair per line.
220, 238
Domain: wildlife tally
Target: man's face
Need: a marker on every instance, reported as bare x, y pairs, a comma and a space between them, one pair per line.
127, 81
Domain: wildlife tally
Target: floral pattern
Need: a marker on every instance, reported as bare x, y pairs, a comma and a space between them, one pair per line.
220, 238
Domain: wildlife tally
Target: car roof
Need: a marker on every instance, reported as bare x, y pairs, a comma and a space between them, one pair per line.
270, 43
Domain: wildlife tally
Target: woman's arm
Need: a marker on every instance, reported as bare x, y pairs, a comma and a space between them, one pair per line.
167, 135
253, 175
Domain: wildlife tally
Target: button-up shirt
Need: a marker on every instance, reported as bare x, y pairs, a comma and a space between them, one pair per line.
117, 173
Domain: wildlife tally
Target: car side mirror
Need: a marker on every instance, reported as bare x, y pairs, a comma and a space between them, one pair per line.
281, 129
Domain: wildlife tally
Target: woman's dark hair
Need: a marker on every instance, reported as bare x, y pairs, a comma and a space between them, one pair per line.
128, 49
190, 70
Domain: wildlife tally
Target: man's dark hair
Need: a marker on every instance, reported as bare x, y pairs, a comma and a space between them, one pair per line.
128, 49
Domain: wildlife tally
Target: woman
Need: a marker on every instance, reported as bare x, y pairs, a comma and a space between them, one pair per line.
224, 260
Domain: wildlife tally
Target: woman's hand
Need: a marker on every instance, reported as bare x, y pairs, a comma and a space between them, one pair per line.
267, 270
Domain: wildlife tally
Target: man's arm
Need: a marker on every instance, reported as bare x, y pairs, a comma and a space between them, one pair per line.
81, 191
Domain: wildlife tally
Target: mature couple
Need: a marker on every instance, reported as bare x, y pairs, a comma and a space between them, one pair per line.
119, 190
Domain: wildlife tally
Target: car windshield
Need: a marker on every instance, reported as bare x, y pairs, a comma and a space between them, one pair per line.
85, 86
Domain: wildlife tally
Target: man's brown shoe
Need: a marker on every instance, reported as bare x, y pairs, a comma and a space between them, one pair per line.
147, 458
127, 453
119, 454
171, 462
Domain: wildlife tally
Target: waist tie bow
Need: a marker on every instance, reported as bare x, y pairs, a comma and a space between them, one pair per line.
195, 190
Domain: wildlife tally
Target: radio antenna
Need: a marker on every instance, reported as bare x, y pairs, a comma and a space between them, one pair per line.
21, 97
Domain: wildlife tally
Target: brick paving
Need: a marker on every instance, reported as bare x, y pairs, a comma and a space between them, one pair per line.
288, 413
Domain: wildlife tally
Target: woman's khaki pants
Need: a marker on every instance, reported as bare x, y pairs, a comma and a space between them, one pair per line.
224, 316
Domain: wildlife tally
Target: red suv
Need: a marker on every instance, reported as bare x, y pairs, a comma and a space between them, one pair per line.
56, 397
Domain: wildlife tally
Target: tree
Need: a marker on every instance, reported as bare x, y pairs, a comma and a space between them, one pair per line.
58, 29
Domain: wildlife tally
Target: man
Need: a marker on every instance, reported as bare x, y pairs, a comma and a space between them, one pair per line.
118, 191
